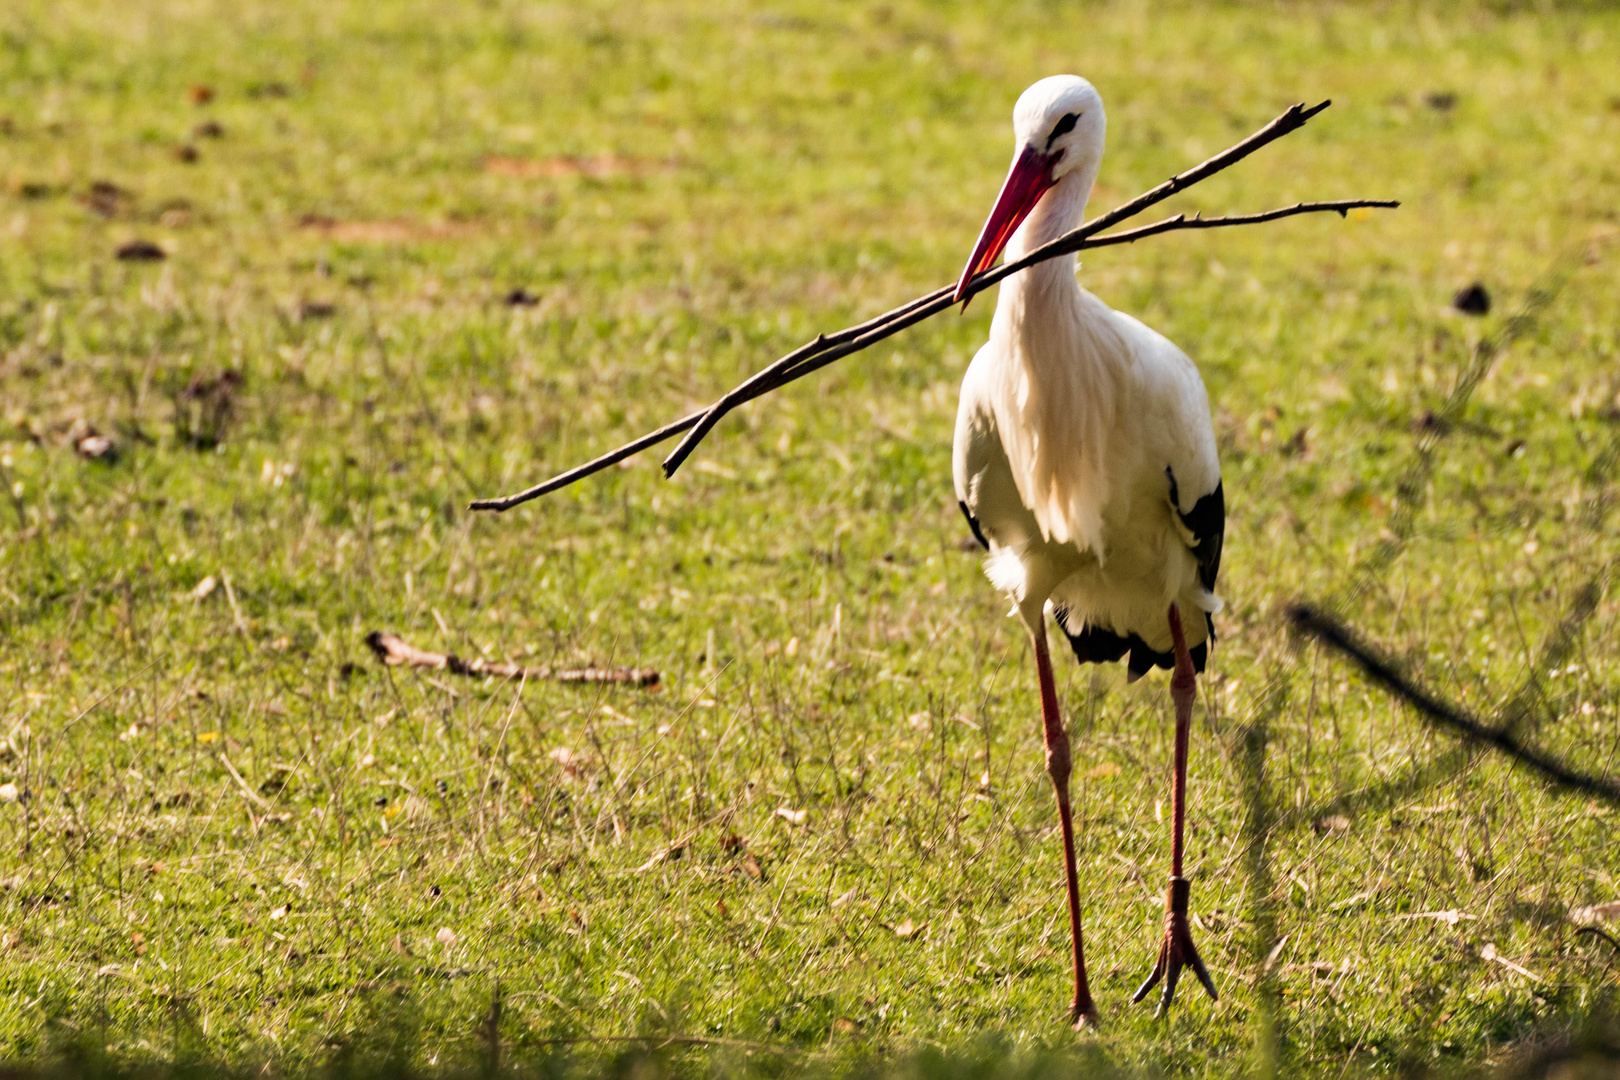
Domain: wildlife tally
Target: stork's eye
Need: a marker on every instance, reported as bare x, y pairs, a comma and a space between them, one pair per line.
1064, 126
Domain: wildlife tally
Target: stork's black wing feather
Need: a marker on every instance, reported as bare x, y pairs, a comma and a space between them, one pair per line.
1099, 645
973, 523
1207, 523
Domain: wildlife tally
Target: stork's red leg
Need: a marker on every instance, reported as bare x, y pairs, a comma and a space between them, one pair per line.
1178, 950
1058, 767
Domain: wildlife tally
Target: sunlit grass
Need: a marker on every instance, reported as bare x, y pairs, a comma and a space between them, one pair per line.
685, 192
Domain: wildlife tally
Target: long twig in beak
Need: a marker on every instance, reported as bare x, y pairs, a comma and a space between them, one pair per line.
827, 348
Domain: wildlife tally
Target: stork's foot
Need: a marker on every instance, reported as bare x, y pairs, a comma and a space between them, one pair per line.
1177, 952
1083, 1015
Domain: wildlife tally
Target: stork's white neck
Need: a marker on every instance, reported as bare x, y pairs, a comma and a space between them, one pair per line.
1059, 210
1057, 367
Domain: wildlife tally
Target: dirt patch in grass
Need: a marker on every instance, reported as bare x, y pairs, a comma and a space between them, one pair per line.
597, 167
392, 231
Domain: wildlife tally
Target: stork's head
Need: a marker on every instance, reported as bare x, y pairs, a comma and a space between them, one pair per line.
1058, 126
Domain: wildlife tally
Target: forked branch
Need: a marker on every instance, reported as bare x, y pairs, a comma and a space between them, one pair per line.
824, 349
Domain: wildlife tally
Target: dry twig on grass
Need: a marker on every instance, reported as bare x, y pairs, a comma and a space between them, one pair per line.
1328, 630
395, 652
824, 349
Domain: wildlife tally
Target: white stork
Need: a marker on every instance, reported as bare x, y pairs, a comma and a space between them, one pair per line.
1086, 465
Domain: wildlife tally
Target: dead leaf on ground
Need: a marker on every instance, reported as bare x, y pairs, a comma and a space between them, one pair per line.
94, 446
847, 1026
572, 765
200, 94
1428, 421
1335, 823
791, 816
752, 868
140, 251
1592, 913
106, 198
204, 408
1475, 299
908, 929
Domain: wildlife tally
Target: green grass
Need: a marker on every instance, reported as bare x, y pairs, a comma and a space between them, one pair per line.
827, 643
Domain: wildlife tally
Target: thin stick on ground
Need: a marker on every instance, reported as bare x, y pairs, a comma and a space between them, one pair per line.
1328, 630
827, 348
659, 1041
395, 652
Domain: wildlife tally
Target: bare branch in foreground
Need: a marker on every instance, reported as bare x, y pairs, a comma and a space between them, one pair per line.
826, 348
395, 651
1328, 630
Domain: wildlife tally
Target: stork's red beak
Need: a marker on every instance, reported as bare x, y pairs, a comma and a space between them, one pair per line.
1029, 179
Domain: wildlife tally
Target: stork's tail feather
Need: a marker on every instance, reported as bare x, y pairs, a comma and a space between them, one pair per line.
1096, 645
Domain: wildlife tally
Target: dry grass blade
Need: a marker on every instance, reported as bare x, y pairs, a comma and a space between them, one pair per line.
396, 652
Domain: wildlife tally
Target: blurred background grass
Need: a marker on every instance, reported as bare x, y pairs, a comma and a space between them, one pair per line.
419, 253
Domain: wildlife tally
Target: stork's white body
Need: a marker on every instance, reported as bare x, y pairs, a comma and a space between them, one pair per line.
1075, 423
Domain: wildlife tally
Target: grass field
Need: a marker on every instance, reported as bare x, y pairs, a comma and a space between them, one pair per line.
231, 836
